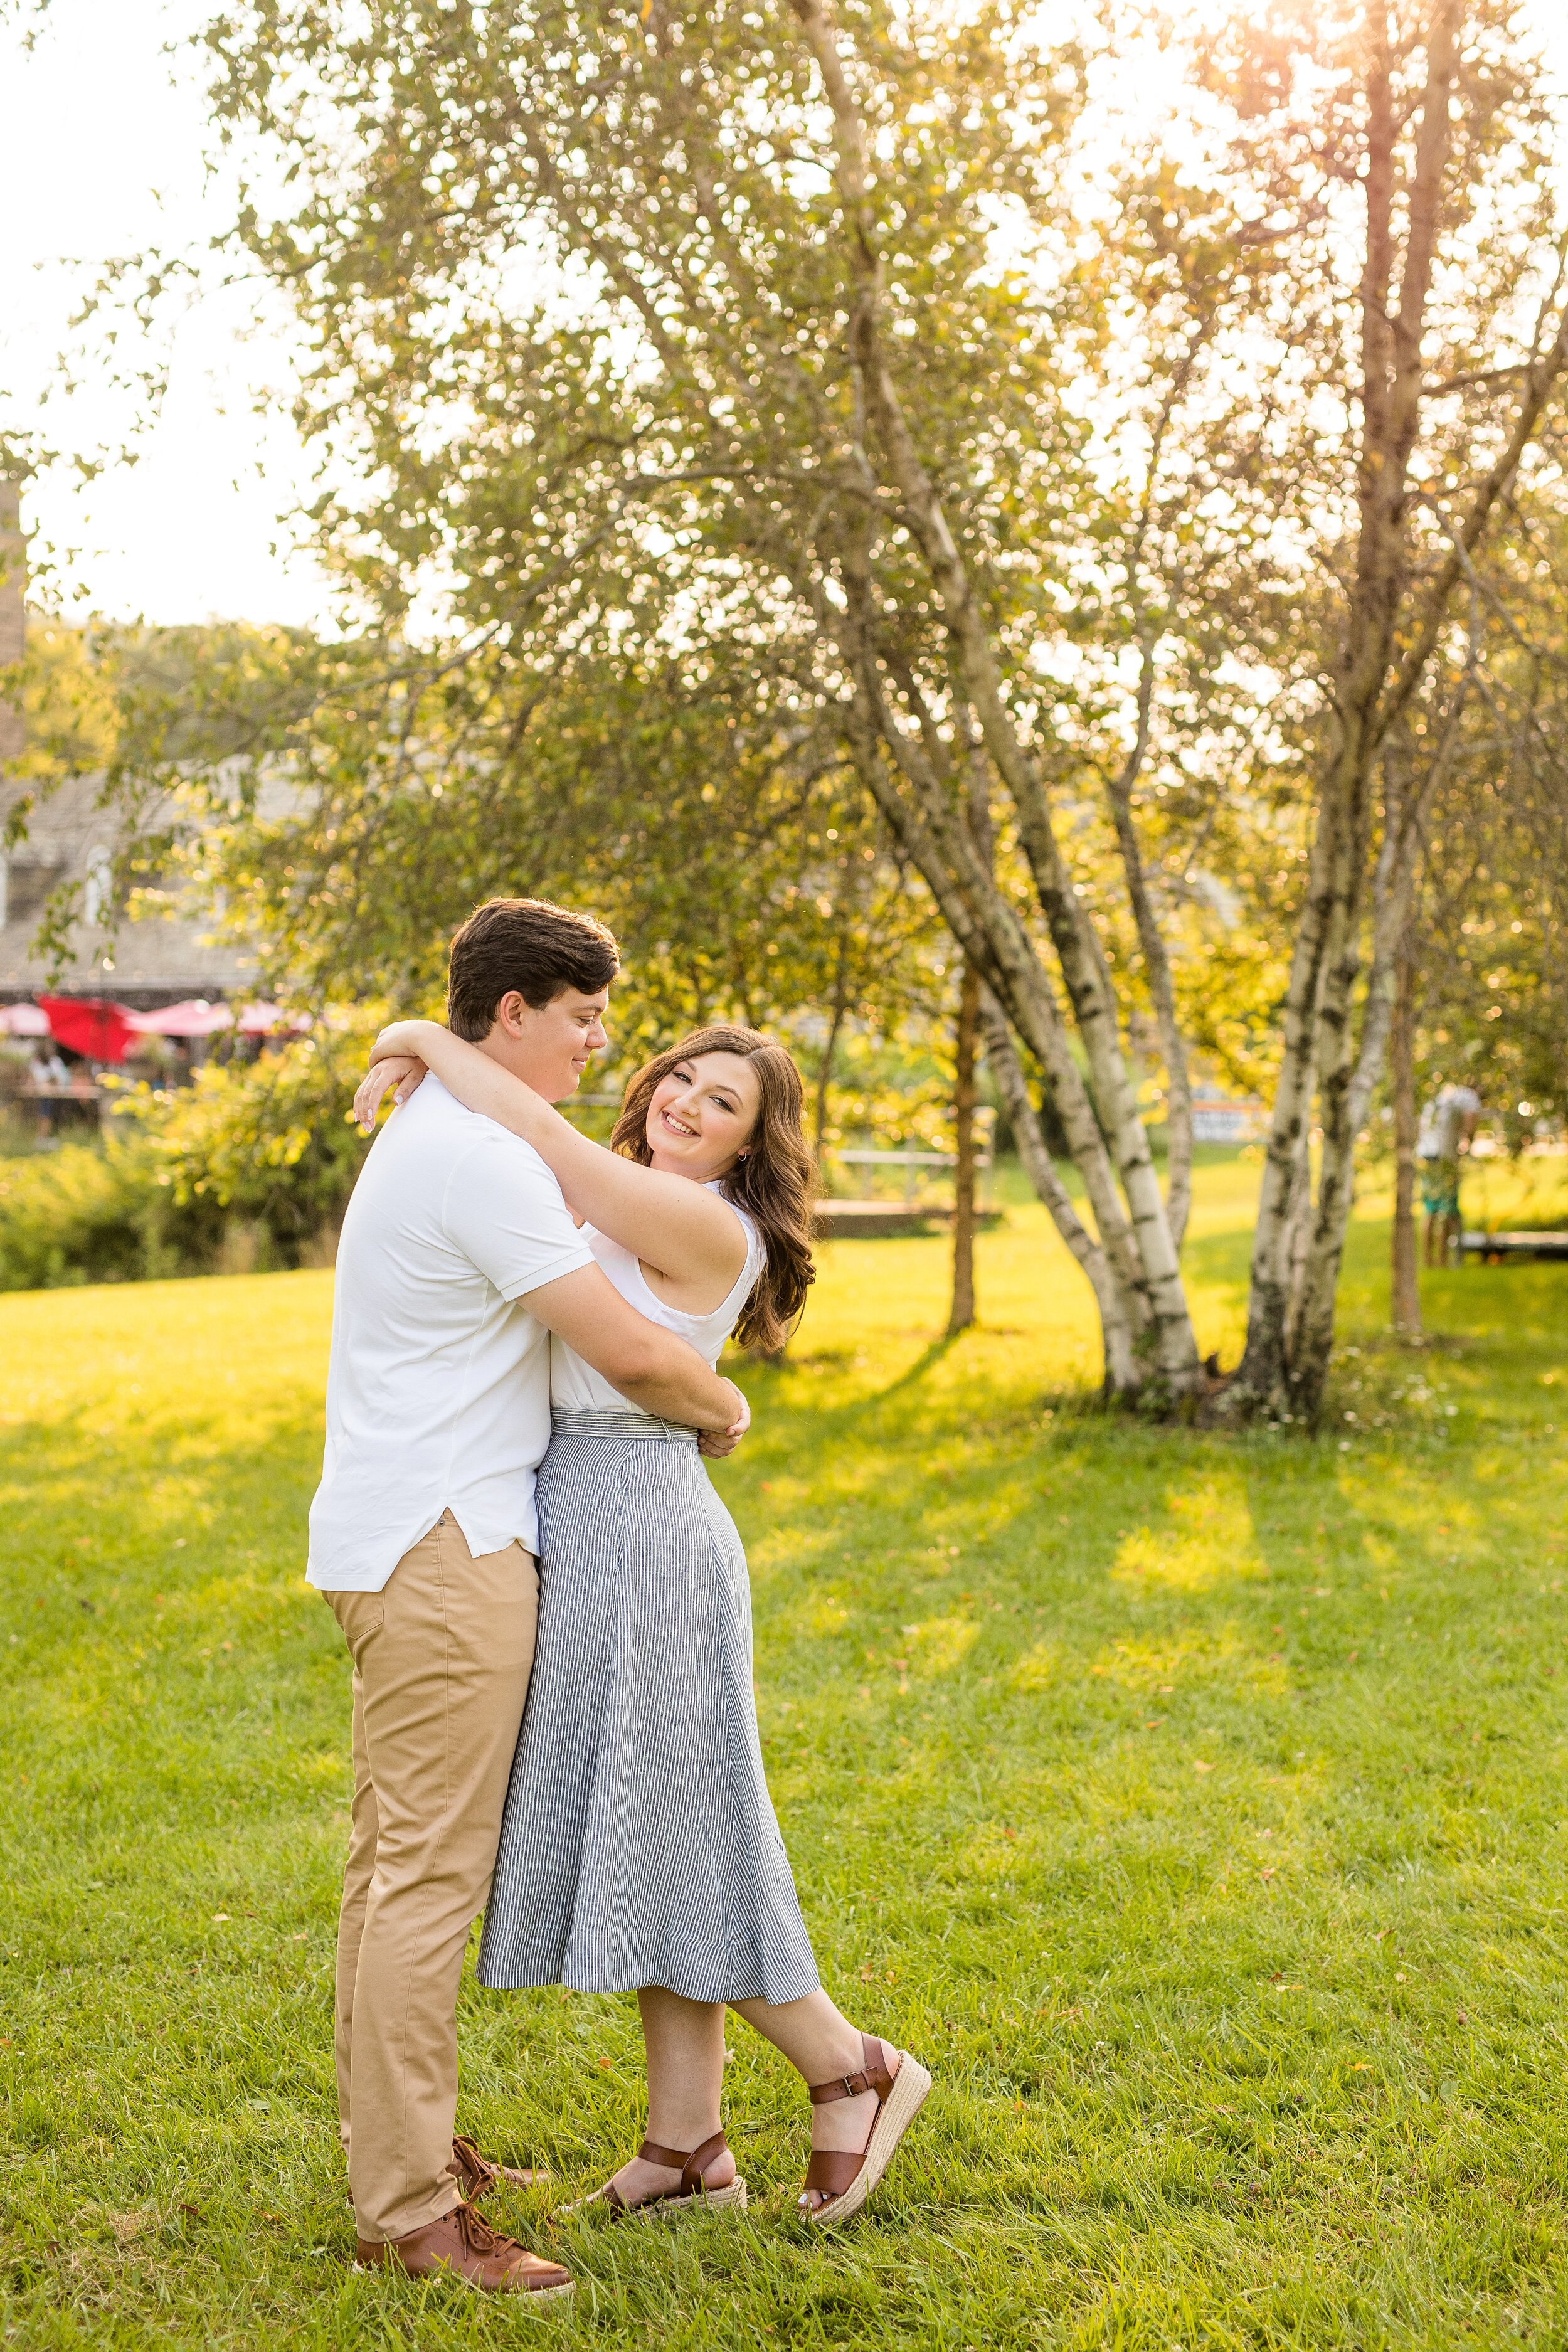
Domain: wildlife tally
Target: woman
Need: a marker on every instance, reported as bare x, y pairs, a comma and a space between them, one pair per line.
639, 1850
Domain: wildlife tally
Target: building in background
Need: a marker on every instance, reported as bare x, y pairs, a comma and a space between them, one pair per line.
145, 964
153, 995
154, 961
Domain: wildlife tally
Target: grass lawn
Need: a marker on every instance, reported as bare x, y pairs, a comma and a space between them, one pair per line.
1194, 1805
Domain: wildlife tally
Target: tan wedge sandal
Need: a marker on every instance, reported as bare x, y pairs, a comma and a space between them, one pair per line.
692, 2190
848, 2178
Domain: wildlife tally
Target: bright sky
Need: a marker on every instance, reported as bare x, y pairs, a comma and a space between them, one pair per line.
104, 154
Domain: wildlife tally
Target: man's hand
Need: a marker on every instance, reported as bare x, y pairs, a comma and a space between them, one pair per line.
720, 1442
652, 1368
401, 1072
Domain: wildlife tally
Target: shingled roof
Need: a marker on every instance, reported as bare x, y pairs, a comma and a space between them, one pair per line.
159, 959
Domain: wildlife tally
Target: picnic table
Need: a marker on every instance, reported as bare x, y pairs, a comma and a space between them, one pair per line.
1493, 1249
874, 1220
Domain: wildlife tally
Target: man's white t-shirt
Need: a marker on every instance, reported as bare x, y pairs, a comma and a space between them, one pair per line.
438, 1387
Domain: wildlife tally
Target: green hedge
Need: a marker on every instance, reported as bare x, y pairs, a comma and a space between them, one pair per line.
251, 1165
75, 1214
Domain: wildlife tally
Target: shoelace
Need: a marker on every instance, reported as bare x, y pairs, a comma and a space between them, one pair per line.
482, 2173
478, 2235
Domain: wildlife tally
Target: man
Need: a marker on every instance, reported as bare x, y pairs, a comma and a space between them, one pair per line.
458, 1258
1448, 1130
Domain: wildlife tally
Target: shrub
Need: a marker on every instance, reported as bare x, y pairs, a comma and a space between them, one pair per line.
72, 1215
268, 1143
251, 1165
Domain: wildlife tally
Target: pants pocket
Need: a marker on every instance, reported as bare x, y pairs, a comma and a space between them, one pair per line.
358, 1614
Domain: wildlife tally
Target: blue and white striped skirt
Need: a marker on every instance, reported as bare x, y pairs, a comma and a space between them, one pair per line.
639, 1845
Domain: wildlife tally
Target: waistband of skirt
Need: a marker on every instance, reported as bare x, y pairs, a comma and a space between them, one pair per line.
577, 1421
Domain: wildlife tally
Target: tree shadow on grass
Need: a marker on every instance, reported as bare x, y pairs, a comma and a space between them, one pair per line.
926, 1361
67, 1469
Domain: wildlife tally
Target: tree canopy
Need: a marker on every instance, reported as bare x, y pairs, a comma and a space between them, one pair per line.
1116, 519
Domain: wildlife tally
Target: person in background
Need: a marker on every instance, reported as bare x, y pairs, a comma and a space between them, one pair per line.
1448, 1130
47, 1071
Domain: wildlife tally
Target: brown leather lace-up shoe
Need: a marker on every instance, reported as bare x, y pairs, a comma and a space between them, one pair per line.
463, 2244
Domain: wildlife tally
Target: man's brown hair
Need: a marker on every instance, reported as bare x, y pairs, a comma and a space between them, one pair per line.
528, 945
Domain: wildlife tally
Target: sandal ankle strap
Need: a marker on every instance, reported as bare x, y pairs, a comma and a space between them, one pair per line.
693, 2163
873, 2076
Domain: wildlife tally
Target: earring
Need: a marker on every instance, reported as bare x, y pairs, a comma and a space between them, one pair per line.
742, 1155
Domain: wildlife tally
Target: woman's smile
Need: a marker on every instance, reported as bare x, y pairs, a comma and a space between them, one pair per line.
717, 1099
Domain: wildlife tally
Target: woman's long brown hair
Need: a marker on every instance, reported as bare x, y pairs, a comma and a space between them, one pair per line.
773, 1183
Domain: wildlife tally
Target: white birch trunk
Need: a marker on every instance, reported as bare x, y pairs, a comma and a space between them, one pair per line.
1120, 1377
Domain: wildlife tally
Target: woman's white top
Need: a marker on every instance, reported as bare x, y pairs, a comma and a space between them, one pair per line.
575, 1383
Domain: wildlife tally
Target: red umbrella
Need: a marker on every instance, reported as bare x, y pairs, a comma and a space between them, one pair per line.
93, 1025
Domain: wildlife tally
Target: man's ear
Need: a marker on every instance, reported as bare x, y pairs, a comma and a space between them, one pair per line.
513, 1012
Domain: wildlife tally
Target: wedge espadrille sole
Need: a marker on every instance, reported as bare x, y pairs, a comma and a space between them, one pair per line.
911, 2086
690, 2192
731, 2199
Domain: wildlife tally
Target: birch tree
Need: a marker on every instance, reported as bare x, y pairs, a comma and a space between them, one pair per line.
1106, 517
791, 398
1423, 140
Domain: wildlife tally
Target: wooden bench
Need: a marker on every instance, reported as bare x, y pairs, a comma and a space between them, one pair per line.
1493, 1248
865, 1219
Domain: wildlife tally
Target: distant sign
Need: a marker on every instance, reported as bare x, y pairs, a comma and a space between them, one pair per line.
1217, 1120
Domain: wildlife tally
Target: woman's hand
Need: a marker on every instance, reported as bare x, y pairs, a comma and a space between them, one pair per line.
401, 1072
403, 1041
395, 1061
717, 1442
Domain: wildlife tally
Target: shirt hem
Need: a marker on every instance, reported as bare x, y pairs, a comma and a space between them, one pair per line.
372, 1577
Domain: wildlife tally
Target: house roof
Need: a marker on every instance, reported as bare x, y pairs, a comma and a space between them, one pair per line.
159, 959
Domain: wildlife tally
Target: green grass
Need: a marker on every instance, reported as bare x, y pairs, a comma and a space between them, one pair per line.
1194, 1805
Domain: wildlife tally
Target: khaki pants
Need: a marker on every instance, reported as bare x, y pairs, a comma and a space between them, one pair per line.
442, 1658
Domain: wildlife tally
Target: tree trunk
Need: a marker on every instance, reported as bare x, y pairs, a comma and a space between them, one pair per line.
1157, 966
1314, 1284
1273, 1376
1124, 1373
1406, 1282
1165, 1322
1260, 1382
1394, 896
945, 853
830, 1047
1298, 1236
963, 1314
